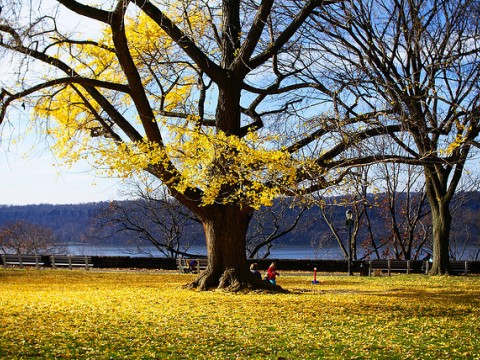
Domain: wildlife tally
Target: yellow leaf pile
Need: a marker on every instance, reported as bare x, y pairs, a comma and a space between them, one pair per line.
53, 314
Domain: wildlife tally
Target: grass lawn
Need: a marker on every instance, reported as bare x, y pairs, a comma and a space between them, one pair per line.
79, 314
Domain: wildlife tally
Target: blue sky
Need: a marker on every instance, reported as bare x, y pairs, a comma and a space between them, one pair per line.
29, 176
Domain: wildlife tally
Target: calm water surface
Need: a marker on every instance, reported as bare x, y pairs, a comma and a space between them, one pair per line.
280, 252
301, 252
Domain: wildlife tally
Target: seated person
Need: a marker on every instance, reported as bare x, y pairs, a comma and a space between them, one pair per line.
192, 265
254, 271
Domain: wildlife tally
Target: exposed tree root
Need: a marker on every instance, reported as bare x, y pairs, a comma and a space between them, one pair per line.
437, 272
232, 280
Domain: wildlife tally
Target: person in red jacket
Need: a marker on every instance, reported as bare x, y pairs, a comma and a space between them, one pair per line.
272, 273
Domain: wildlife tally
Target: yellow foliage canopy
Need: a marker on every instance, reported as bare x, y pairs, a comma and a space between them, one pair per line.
223, 167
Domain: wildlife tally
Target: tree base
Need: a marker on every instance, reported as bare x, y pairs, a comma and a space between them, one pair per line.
232, 280
440, 273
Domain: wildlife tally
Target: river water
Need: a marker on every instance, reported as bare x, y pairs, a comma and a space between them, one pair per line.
281, 252
300, 252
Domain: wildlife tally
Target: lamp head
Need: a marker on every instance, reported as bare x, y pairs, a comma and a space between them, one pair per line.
349, 214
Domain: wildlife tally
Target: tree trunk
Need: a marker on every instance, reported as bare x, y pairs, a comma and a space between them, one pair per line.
441, 221
439, 199
225, 229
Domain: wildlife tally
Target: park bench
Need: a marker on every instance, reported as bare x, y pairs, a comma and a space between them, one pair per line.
22, 260
461, 266
71, 261
183, 266
389, 266
456, 267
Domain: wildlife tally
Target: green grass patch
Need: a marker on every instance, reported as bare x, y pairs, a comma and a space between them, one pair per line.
62, 314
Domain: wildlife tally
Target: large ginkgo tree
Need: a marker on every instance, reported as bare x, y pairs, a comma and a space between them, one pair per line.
222, 101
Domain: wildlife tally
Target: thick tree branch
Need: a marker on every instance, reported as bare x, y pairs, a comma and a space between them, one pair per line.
7, 98
114, 114
214, 71
87, 11
139, 97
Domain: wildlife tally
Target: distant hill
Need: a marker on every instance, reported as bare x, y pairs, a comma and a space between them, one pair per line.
73, 223
69, 222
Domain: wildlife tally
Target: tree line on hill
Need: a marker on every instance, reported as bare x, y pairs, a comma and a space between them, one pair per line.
168, 228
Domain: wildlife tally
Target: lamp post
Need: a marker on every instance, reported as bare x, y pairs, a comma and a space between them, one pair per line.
349, 224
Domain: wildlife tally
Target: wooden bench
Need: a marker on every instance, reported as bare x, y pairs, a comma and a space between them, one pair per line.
456, 267
184, 267
22, 260
71, 261
389, 266
462, 267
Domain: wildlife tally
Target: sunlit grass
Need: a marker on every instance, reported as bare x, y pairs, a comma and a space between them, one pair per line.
148, 315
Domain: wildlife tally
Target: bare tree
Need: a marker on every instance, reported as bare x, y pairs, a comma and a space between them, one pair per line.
393, 223
416, 62
152, 219
270, 224
332, 210
336, 228
22, 237
464, 239
404, 210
